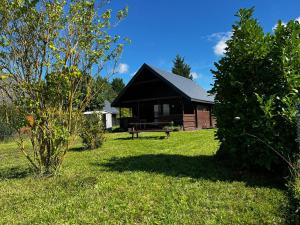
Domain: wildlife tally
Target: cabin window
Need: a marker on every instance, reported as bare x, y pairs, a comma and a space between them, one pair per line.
157, 110
161, 110
166, 109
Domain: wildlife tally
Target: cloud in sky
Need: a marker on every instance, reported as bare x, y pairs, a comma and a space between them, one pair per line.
195, 75
222, 37
122, 68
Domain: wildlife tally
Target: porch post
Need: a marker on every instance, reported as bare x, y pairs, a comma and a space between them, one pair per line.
139, 111
182, 113
120, 117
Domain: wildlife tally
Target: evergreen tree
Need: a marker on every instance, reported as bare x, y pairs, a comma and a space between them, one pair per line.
181, 68
117, 85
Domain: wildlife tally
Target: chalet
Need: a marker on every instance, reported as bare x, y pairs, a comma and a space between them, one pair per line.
156, 96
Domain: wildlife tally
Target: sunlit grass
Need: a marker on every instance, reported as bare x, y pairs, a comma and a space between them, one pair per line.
151, 180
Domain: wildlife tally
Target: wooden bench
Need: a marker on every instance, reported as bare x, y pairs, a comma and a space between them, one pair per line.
136, 132
154, 127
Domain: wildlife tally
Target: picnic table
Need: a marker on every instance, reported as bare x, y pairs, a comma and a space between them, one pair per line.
137, 128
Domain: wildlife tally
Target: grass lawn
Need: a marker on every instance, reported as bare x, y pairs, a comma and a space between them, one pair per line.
151, 180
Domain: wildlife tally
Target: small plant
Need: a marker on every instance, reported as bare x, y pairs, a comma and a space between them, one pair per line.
173, 127
92, 132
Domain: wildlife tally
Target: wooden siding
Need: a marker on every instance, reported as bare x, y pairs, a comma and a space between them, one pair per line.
203, 116
189, 122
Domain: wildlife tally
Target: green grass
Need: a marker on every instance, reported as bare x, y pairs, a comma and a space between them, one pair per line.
151, 180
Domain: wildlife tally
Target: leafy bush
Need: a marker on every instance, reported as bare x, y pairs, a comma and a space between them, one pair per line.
92, 133
6, 131
257, 82
294, 195
9, 117
172, 128
296, 188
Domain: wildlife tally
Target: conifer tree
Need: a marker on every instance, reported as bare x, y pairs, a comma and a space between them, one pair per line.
181, 68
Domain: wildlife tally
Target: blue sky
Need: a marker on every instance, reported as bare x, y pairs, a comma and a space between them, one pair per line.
160, 29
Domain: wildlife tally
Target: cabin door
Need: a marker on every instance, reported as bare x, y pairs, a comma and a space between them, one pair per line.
203, 117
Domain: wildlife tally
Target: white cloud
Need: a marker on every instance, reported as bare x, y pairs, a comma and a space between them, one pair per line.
220, 47
195, 75
122, 68
298, 19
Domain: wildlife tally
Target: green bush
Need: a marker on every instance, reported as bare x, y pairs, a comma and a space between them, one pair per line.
294, 194
6, 131
256, 86
92, 132
8, 120
296, 188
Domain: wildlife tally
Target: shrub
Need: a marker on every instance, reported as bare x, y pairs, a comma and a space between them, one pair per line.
294, 194
296, 190
92, 132
67, 44
6, 131
254, 83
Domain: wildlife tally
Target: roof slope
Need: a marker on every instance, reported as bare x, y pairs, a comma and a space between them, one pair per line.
185, 85
188, 88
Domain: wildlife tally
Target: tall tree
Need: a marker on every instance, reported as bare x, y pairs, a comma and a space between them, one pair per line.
117, 85
256, 92
50, 49
181, 68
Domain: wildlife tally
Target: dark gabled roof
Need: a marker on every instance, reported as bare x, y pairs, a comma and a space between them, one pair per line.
188, 88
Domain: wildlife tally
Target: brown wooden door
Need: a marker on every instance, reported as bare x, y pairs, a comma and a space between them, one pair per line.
203, 117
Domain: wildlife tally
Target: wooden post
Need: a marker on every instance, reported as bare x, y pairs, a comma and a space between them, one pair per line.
196, 115
139, 113
120, 117
182, 114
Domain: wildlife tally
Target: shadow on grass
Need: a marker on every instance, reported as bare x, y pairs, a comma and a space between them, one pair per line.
77, 149
143, 138
14, 173
197, 167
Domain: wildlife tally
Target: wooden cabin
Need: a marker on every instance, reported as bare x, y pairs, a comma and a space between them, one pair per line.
153, 95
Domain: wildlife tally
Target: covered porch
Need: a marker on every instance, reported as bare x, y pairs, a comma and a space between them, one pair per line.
155, 113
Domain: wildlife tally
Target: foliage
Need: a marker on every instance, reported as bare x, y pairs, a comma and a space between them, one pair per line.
294, 184
49, 49
143, 181
6, 130
172, 127
103, 91
117, 85
294, 192
181, 68
92, 133
254, 84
